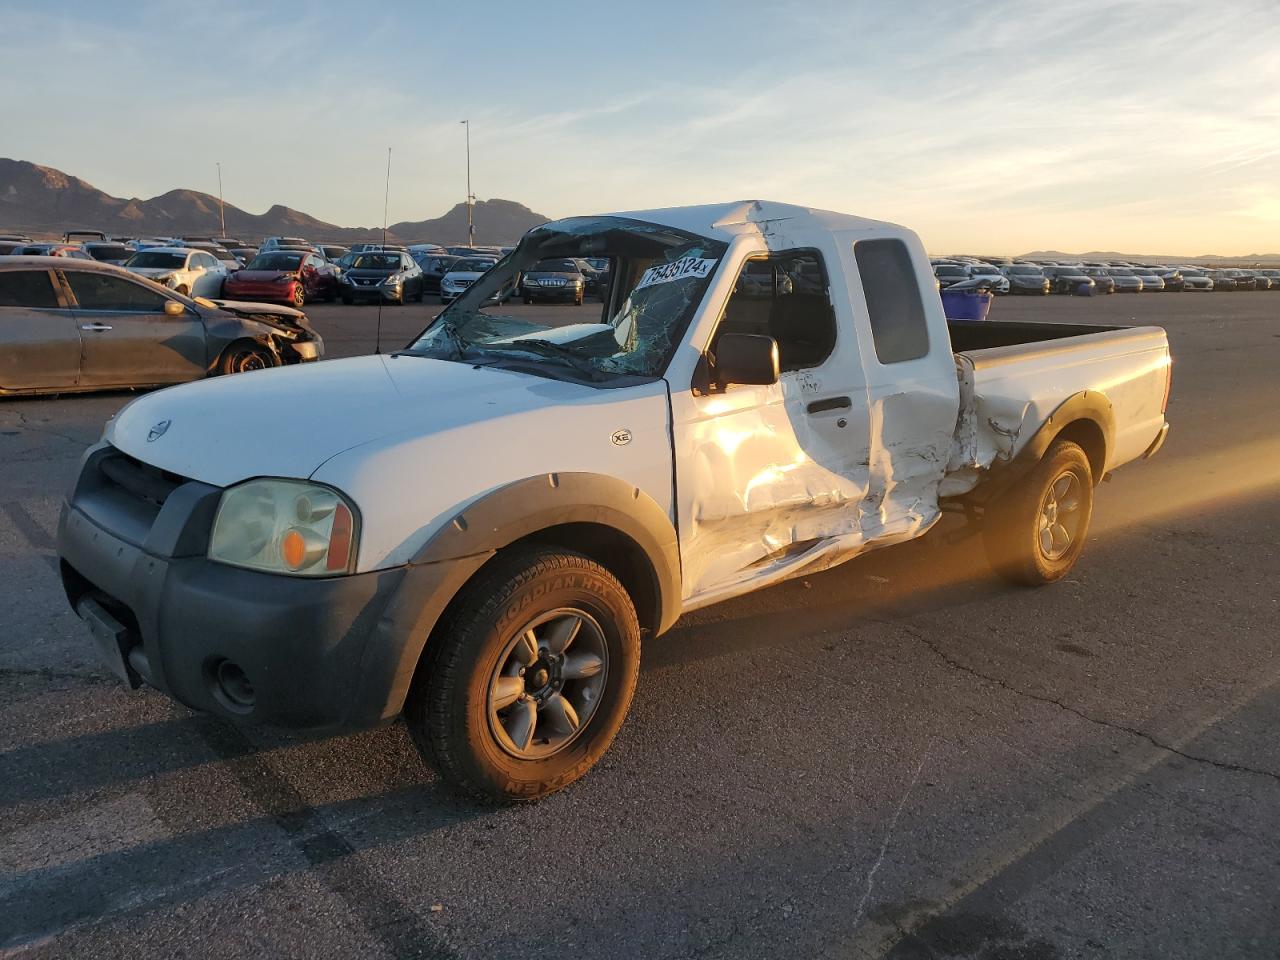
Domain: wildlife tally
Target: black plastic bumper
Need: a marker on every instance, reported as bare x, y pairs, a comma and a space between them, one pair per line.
332, 653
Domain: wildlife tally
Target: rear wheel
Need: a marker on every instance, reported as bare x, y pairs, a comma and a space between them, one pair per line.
1036, 531
529, 679
245, 356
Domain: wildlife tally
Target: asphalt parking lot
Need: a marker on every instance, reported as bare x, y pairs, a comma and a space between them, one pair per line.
902, 756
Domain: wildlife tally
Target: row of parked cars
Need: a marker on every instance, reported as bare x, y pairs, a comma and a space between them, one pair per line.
1044, 277
295, 271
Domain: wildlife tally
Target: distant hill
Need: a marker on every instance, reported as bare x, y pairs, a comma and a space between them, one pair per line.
41, 200
1150, 257
496, 222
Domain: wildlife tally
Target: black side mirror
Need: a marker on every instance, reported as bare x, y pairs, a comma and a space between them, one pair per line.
746, 358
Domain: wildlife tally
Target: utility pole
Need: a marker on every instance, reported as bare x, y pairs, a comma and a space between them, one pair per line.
471, 199
386, 199
222, 213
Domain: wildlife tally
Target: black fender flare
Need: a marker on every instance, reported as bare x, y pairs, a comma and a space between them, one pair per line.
454, 553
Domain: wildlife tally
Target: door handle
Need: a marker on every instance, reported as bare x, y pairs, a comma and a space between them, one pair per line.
97, 327
830, 403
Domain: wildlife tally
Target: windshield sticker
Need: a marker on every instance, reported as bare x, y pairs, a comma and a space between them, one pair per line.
676, 270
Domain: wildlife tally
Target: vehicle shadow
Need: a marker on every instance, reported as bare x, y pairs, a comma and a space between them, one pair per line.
162, 874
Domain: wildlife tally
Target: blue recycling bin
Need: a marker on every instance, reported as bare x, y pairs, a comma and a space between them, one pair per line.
966, 304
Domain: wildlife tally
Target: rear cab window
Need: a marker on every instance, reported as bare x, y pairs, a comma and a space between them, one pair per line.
894, 306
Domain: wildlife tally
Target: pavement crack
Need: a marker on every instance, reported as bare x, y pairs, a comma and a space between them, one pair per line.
963, 667
888, 838
26, 424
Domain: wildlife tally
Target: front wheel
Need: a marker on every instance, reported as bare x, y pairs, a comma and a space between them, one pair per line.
1036, 531
530, 678
244, 357
299, 298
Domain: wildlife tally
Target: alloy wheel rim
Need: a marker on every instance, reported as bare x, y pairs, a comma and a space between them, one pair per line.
1060, 516
548, 683
249, 361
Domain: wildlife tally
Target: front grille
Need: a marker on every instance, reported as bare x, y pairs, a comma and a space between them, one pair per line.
461, 283
365, 281
140, 480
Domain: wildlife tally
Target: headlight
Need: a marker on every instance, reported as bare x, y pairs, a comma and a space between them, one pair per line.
285, 526
448, 284
286, 278
393, 279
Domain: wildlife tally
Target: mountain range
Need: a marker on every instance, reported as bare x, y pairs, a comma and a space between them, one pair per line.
40, 200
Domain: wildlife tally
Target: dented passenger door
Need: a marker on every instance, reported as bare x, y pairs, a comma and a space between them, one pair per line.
770, 477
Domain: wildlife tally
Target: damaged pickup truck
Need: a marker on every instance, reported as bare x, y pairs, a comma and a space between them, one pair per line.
475, 532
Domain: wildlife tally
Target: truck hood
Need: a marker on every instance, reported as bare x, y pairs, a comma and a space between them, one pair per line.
288, 421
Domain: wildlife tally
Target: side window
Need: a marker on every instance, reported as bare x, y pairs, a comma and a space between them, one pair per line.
208, 261
102, 291
892, 292
27, 288
784, 296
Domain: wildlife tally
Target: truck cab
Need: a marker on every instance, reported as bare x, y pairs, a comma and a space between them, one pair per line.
475, 532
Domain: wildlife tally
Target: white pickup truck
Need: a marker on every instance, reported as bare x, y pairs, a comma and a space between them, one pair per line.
475, 532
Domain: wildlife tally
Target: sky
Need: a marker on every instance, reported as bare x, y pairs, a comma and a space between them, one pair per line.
999, 127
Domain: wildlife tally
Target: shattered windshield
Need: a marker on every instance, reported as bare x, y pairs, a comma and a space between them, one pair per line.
660, 277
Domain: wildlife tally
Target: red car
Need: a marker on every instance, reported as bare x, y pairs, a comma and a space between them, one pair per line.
283, 276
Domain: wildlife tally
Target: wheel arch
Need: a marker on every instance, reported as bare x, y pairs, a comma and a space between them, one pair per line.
1085, 418
615, 523
612, 522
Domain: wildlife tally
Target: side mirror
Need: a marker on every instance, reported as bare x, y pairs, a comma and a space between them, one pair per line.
746, 358
172, 308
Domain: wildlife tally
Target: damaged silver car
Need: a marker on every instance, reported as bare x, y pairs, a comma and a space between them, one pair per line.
71, 325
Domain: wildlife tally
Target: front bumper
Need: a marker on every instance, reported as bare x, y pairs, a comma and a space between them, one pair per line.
265, 292
556, 294
357, 291
332, 653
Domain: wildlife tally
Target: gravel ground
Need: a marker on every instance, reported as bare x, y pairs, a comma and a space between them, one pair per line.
902, 756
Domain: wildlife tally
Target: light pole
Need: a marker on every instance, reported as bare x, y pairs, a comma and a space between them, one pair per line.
222, 213
471, 227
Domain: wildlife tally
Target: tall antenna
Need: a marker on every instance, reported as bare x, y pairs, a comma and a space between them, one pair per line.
222, 213
386, 197
471, 198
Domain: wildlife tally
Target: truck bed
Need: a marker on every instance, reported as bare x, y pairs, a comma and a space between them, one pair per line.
1013, 376
969, 335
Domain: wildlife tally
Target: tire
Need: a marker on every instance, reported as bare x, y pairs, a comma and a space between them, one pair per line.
420, 295
477, 657
183, 289
528, 301
346, 301
577, 302
244, 356
1032, 535
299, 298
